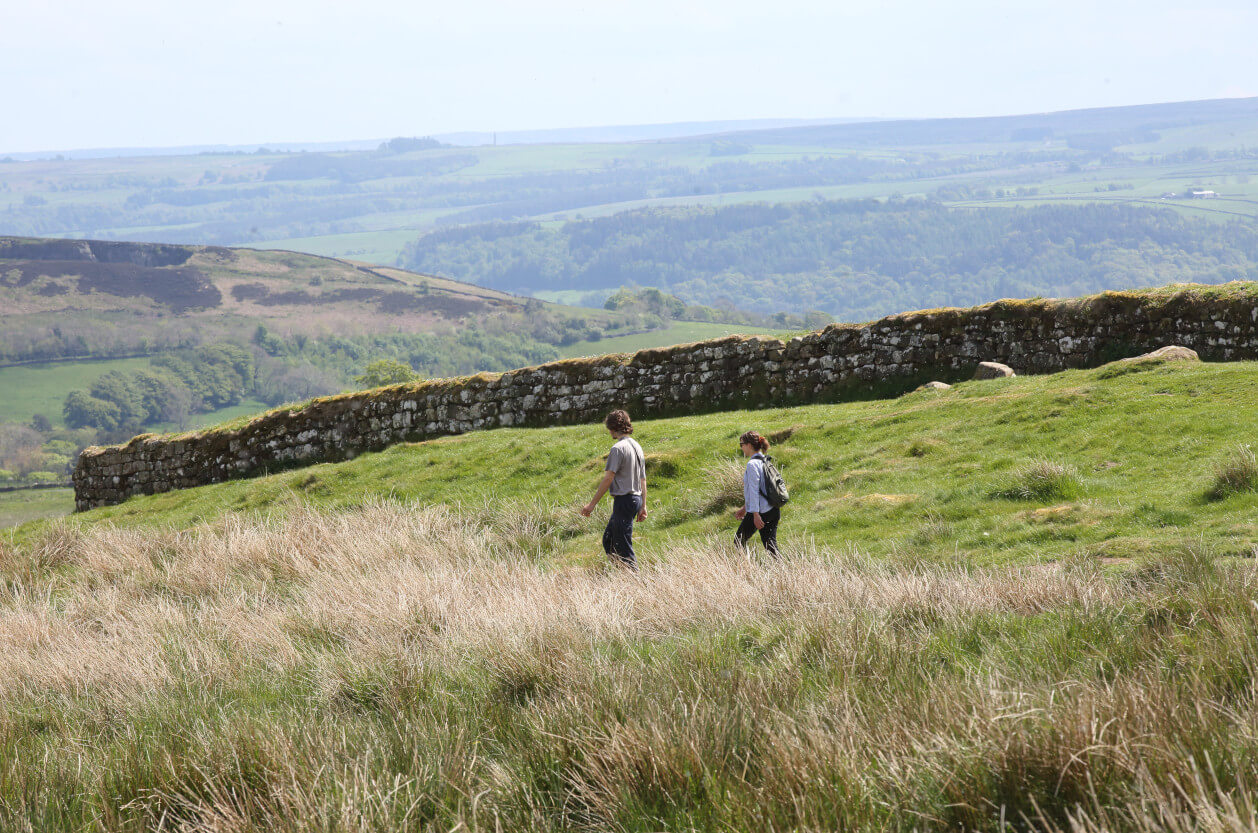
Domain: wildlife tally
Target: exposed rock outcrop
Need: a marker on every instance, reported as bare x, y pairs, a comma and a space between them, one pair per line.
993, 370
1173, 353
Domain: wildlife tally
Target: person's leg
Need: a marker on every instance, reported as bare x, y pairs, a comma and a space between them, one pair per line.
608, 533
769, 534
746, 529
620, 541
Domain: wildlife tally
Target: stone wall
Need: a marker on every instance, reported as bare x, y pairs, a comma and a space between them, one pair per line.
840, 362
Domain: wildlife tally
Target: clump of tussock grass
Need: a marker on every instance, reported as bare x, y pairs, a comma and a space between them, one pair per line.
662, 465
1125, 367
1042, 480
723, 486
1235, 473
922, 446
783, 434
933, 529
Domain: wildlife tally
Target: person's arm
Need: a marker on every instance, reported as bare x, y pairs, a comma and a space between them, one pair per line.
751, 492
750, 484
603, 486
640, 462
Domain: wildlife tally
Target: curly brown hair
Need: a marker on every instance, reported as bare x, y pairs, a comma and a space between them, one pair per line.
754, 439
618, 421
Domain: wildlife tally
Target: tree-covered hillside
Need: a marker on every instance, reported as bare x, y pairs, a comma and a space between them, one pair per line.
855, 259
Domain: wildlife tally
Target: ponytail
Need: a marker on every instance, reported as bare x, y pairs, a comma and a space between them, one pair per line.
756, 440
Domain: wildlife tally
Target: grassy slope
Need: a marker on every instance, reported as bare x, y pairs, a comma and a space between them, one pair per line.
402, 667
916, 474
41, 388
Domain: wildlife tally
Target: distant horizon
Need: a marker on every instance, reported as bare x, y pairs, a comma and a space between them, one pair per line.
355, 144
372, 142
143, 74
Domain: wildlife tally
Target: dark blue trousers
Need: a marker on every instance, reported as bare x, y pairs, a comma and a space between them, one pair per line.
769, 534
618, 536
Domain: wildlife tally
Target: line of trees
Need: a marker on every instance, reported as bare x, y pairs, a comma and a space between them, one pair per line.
180, 384
277, 370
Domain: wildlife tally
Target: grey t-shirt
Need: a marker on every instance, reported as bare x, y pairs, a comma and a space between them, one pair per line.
628, 465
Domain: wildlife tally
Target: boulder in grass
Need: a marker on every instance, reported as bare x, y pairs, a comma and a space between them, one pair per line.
1173, 353
993, 370
935, 386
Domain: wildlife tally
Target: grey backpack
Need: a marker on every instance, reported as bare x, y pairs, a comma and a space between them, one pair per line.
773, 487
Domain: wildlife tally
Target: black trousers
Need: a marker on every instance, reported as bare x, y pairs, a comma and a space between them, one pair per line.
618, 536
769, 534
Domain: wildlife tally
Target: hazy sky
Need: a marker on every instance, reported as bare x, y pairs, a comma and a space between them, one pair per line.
152, 73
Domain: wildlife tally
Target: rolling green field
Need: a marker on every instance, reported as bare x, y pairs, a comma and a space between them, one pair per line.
679, 332
33, 504
1023, 604
370, 246
41, 388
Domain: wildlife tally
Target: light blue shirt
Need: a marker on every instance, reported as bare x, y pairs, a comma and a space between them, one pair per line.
753, 479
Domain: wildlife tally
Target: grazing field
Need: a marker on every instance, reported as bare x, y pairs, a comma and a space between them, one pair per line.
1023, 603
34, 504
679, 332
369, 246
41, 388
30, 389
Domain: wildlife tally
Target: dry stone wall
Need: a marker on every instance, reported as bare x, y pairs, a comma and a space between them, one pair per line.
840, 362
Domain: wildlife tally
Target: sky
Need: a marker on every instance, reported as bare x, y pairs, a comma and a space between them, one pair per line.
151, 73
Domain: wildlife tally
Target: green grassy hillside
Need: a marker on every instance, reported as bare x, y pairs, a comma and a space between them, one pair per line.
930, 473
1019, 604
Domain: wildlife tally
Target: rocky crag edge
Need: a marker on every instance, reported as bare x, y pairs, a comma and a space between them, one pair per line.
842, 361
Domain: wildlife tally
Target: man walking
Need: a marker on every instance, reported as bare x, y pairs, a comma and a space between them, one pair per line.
625, 477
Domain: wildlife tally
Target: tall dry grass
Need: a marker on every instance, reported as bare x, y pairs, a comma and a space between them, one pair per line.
93, 610
406, 667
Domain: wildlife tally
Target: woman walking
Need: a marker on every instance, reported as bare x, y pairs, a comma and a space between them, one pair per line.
756, 513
